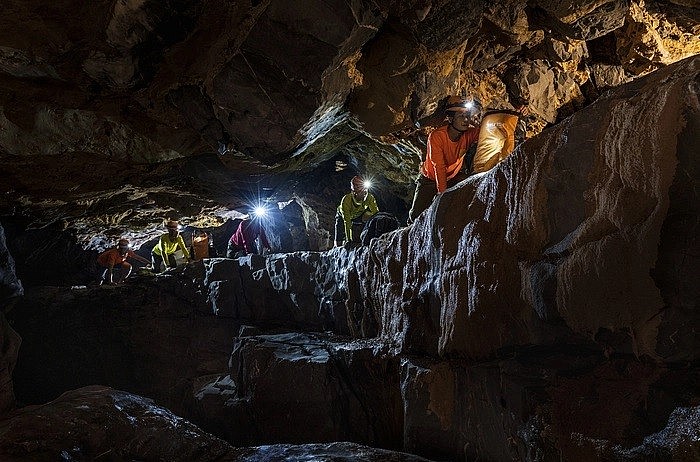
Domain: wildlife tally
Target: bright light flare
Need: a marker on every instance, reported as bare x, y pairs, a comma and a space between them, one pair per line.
367, 184
260, 211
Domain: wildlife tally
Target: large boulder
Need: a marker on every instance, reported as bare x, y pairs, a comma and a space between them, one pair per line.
303, 387
95, 422
100, 422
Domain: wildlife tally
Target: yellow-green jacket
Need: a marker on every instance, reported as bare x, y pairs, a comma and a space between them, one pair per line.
166, 247
350, 209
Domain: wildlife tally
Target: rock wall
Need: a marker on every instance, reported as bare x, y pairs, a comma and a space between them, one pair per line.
573, 235
152, 338
567, 231
10, 287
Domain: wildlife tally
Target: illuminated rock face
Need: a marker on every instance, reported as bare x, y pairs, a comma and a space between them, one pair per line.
579, 228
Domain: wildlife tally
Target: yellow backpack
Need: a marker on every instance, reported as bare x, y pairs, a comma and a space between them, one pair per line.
496, 139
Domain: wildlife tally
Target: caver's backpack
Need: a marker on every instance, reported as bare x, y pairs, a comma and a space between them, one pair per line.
380, 223
496, 139
202, 246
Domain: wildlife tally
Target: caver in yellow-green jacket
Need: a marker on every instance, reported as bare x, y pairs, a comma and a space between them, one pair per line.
351, 209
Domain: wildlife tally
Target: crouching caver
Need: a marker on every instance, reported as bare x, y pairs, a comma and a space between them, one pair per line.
164, 250
114, 261
353, 212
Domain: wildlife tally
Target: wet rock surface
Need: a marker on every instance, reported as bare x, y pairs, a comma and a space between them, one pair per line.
98, 422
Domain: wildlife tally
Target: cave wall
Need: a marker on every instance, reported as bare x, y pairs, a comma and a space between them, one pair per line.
269, 84
535, 311
584, 242
10, 288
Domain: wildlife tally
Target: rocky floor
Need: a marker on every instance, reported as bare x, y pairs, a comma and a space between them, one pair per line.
251, 377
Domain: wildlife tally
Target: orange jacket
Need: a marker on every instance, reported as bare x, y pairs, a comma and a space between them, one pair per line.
444, 157
112, 257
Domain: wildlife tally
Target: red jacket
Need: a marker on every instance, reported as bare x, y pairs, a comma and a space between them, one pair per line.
245, 235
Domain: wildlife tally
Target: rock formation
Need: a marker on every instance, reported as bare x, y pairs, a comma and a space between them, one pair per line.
99, 422
543, 310
10, 287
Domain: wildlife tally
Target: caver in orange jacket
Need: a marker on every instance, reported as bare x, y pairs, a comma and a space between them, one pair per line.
113, 257
444, 157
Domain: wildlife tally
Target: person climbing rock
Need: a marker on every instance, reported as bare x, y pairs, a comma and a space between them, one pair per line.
354, 210
242, 242
445, 162
114, 261
164, 250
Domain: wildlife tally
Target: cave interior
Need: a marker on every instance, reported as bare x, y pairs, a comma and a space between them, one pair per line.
543, 309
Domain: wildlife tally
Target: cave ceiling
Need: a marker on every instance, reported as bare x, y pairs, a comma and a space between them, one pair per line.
117, 113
